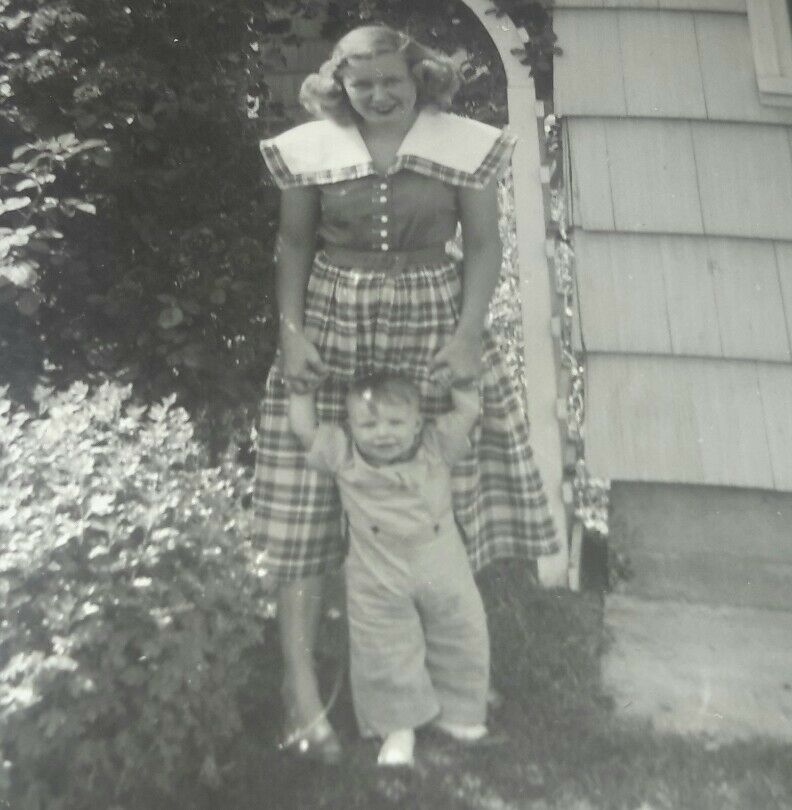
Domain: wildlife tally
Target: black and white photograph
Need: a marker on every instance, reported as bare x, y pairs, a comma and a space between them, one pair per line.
396, 404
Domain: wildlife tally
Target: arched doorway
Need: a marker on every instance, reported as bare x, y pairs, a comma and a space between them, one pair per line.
535, 289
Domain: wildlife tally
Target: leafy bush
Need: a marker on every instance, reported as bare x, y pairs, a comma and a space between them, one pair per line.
130, 601
137, 229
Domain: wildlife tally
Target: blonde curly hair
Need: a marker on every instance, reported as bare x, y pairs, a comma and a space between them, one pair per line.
436, 76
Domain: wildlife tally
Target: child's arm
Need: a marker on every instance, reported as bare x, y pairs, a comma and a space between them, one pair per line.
302, 417
465, 405
453, 428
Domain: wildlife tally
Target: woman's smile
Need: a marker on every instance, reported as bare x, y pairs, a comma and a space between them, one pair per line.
380, 88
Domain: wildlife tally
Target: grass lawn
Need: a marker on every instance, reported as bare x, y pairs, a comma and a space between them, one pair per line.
567, 751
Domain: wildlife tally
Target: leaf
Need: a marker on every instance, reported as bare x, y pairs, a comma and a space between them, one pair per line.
67, 139
88, 208
22, 274
170, 317
13, 204
101, 504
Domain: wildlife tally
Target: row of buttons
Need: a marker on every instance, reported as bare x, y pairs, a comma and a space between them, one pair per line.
383, 218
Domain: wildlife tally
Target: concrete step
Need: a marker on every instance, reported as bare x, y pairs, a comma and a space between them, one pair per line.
711, 578
714, 545
692, 668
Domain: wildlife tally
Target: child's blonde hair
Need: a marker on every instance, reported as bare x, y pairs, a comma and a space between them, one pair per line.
436, 76
383, 388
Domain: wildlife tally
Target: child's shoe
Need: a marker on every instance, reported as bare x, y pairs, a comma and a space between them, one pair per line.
318, 743
474, 736
397, 749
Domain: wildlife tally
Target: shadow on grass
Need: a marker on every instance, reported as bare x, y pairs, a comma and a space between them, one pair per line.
566, 750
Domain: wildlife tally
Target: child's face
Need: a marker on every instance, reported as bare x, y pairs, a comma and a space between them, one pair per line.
383, 431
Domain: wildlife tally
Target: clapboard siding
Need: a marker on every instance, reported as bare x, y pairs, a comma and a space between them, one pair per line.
744, 175
681, 295
658, 63
588, 78
727, 6
775, 385
690, 420
659, 51
664, 176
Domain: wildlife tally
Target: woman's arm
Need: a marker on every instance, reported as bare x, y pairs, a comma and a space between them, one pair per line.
483, 253
299, 219
460, 358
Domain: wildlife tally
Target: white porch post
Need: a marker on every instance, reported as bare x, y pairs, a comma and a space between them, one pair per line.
535, 289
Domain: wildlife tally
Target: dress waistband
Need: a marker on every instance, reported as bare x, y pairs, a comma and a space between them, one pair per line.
390, 262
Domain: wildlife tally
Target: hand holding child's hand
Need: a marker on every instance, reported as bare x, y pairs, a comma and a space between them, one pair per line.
303, 367
459, 361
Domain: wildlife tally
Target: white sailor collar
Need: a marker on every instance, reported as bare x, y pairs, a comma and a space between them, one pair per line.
456, 150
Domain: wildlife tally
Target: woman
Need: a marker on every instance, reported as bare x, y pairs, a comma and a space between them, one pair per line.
371, 194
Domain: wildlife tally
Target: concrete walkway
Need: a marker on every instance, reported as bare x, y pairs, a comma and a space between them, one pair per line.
721, 671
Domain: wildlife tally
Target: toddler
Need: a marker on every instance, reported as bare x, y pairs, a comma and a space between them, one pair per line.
419, 646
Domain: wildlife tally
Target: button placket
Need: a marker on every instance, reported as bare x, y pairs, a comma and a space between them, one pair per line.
380, 235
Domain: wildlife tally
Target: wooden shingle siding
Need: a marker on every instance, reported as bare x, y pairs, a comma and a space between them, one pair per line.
775, 385
621, 294
658, 176
748, 298
744, 175
659, 52
668, 64
728, 74
728, 6
689, 421
783, 252
644, 169
684, 296
587, 148
588, 77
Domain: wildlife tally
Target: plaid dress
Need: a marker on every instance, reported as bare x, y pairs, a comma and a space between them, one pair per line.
364, 320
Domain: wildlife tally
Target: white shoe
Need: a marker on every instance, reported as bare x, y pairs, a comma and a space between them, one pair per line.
462, 733
397, 749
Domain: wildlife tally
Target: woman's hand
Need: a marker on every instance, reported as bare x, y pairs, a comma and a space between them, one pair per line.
303, 367
459, 361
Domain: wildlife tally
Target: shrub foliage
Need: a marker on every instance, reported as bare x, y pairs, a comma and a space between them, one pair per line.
136, 229
129, 603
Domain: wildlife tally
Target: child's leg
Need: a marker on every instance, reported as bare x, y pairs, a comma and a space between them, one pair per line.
391, 690
457, 641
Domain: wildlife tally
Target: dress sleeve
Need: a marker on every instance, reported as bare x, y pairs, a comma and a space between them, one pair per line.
329, 450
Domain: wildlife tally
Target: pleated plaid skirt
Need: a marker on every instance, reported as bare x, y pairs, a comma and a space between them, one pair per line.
363, 321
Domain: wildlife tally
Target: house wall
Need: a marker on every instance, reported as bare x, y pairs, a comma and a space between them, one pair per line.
680, 187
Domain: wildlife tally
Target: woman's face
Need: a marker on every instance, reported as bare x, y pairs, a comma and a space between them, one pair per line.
381, 89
